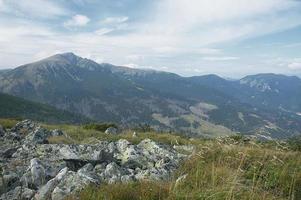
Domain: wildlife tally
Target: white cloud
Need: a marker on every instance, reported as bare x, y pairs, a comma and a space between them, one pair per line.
77, 20
208, 51
176, 33
33, 8
114, 20
131, 65
295, 66
103, 31
135, 57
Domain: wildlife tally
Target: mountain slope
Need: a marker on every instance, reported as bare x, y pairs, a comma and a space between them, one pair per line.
271, 90
207, 105
15, 107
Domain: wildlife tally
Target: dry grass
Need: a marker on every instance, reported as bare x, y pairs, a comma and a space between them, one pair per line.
220, 171
8, 123
78, 134
145, 190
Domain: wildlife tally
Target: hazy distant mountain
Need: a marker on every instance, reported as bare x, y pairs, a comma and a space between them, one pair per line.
204, 105
4, 70
15, 107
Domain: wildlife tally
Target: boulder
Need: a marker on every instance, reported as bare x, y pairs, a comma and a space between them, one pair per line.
18, 193
44, 192
71, 183
111, 130
8, 152
38, 136
24, 127
38, 174
57, 132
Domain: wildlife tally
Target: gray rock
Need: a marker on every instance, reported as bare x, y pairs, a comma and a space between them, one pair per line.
38, 174
88, 173
54, 171
24, 127
9, 181
71, 183
111, 170
111, 130
44, 192
8, 152
38, 136
57, 132
18, 193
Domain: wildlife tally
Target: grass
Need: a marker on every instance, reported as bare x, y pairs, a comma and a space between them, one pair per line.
79, 134
8, 123
220, 169
145, 190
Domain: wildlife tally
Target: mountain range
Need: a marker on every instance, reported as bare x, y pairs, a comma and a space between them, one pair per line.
267, 105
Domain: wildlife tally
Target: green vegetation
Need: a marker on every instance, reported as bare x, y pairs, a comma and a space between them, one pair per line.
9, 123
146, 190
295, 143
79, 134
99, 126
15, 107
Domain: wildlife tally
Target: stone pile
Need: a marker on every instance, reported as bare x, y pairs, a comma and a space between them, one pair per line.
34, 169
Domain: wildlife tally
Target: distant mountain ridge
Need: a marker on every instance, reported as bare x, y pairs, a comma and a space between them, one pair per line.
264, 104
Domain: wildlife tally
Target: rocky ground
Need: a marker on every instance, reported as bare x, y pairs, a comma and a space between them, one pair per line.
34, 169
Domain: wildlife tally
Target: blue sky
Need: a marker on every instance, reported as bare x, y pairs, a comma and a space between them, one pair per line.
231, 38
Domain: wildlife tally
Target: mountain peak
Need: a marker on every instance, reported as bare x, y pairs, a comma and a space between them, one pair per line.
68, 56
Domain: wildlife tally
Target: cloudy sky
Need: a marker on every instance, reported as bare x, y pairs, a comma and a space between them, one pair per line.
231, 38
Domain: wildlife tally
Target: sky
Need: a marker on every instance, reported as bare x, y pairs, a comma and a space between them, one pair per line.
230, 38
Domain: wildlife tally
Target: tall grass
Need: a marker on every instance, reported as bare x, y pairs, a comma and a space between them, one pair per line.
220, 171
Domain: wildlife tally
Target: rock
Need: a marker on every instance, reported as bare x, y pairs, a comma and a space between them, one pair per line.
8, 152
18, 193
71, 183
38, 174
24, 127
9, 181
111, 170
57, 132
38, 136
44, 192
88, 173
13, 136
55, 171
111, 130
134, 134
